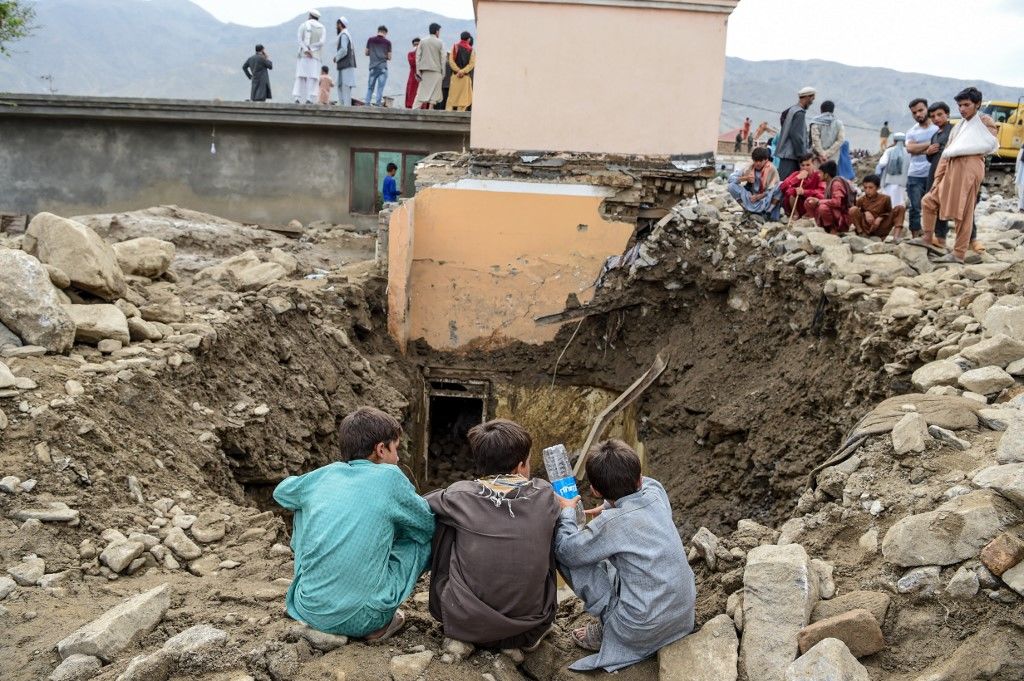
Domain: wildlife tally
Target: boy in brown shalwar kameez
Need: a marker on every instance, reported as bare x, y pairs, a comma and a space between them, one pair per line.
874, 214
958, 176
492, 579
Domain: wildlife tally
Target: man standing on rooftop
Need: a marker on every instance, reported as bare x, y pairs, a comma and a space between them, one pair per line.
307, 70
792, 140
378, 49
431, 61
345, 58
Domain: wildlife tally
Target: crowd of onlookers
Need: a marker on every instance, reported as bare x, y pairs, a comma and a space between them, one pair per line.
924, 180
438, 78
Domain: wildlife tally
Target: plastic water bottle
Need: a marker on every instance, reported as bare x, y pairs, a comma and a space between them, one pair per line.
556, 461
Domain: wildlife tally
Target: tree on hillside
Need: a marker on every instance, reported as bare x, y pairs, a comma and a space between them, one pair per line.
15, 22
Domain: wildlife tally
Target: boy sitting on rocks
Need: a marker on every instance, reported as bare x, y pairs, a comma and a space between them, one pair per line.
361, 535
492, 578
627, 565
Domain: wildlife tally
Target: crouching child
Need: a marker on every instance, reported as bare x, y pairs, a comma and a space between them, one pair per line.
627, 564
492, 579
360, 534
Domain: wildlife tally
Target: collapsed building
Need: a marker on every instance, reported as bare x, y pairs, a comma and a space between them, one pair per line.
837, 420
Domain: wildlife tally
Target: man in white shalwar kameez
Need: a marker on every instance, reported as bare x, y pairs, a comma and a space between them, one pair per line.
307, 70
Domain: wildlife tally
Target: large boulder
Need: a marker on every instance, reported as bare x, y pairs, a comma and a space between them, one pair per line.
30, 305
779, 592
145, 256
1007, 479
1011, 443
858, 629
115, 629
707, 655
78, 252
94, 323
955, 531
882, 268
1006, 316
945, 411
999, 350
244, 272
986, 380
941, 372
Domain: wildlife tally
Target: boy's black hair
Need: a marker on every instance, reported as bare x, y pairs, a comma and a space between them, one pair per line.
806, 157
972, 94
873, 179
259, 48
466, 35
915, 102
434, 28
324, 69
499, 446
938, 105
392, 166
361, 431
382, 29
760, 154
829, 168
415, 41
613, 469
828, 106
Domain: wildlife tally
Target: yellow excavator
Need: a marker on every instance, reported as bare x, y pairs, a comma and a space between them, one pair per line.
1010, 118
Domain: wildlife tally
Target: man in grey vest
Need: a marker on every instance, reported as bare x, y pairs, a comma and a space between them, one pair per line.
792, 141
345, 58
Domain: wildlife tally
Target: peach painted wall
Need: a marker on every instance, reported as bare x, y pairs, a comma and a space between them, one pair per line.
485, 263
591, 78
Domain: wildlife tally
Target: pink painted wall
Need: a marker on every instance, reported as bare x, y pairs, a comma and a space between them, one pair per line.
584, 77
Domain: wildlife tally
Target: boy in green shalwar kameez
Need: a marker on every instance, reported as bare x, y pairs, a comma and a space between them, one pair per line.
361, 535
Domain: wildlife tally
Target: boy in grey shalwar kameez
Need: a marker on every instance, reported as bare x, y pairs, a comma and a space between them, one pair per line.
627, 565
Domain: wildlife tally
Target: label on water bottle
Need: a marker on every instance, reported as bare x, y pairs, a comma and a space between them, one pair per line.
566, 487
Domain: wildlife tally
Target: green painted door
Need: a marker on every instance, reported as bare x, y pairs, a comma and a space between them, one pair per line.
364, 181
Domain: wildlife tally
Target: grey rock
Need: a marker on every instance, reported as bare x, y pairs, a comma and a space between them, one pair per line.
317, 639
208, 527
949, 437
113, 631
183, 547
1011, 444
922, 580
828, 660
779, 594
194, 639
156, 666
706, 544
1014, 578
8, 338
964, 584
120, 555
1007, 479
7, 586
9, 484
986, 380
79, 252
999, 419
910, 434
144, 256
1000, 350
141, 330
875, 602
409, 667
32, 307
1006, 316
710, 654
955, 531
94, 323
29, 571
76, 668
938, 373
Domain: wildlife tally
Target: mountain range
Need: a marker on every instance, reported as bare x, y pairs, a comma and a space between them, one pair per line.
175, 49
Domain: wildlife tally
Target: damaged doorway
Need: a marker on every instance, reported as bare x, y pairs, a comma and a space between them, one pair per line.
452, 405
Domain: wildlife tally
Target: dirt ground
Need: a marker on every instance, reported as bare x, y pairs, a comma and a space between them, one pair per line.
765, 380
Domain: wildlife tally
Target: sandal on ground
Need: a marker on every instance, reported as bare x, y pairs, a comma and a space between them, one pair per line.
536, 644
397, 622
973, 259
920, 242
588, 637
948, 259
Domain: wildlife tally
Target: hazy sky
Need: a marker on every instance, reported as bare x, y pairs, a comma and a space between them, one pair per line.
956, 38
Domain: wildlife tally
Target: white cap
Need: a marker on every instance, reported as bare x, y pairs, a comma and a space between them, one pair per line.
315, 13
805, 91
343, 20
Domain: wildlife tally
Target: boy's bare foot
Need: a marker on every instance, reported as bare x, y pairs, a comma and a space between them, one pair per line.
589, 637
390, 630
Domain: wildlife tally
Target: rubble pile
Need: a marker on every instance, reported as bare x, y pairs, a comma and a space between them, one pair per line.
157, 379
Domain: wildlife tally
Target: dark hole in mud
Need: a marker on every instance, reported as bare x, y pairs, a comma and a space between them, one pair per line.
448, 454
